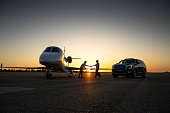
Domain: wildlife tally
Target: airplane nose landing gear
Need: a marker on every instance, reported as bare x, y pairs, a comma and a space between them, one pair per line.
48, 74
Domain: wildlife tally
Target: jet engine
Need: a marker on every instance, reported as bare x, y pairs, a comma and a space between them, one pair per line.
68, 59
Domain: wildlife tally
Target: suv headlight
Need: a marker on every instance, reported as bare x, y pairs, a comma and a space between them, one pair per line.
129, 67
112, 66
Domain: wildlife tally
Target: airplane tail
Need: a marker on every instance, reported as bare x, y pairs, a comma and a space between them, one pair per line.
69, 58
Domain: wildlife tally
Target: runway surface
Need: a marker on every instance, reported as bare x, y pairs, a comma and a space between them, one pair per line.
32, 92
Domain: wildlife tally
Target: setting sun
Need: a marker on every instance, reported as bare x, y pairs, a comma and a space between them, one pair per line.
89, 70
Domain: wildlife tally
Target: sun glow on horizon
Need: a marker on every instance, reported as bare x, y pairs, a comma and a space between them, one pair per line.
88, 75
89, 70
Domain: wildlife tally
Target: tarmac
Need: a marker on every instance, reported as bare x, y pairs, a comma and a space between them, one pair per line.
31, 92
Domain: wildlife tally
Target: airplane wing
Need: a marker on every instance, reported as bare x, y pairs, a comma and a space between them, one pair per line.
73, 68
26, 67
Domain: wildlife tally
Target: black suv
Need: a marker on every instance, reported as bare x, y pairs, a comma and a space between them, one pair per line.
129, 67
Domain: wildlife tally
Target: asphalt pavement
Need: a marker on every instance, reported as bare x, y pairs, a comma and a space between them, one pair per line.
22, 92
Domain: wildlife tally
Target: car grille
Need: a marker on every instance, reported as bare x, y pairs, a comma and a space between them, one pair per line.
120, 67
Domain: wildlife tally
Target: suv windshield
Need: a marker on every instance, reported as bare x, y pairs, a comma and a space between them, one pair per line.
129, 61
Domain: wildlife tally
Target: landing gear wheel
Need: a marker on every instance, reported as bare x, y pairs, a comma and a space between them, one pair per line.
71, 73
48, 75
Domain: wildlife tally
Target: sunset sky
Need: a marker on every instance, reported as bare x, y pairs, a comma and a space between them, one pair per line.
108, 30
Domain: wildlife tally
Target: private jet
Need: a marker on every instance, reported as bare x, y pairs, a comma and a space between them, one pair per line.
53, 58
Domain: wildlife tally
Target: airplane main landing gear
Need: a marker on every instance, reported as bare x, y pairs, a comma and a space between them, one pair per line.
71, 73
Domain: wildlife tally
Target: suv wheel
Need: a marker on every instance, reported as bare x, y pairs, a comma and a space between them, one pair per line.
134, 74
114, 76
144, 73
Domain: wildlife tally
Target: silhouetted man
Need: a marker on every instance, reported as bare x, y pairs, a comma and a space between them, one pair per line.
97, 69
81, 69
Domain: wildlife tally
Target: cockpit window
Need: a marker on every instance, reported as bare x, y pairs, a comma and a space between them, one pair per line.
55, 49
48, 49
